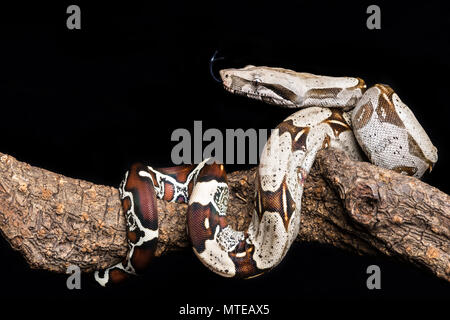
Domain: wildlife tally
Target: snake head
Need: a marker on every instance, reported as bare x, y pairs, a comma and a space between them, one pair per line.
292, 89
272, 85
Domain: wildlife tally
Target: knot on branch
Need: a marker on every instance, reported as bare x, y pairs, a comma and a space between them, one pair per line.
362, 204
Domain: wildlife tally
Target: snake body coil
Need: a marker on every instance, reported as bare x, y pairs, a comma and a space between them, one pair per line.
337, 112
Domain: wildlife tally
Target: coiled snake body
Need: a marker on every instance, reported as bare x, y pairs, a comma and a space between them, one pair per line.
337, 112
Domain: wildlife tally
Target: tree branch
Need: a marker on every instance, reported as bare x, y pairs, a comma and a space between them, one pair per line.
55, 221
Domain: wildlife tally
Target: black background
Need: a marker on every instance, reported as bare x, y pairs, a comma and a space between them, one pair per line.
87, 103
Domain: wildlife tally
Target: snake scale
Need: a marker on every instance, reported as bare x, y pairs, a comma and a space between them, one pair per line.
334, 112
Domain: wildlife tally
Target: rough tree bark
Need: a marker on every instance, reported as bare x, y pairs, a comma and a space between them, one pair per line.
55, 221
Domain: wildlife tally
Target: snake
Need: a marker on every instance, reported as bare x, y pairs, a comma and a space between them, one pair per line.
339, 112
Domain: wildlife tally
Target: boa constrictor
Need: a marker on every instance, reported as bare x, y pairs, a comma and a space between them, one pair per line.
337, 112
